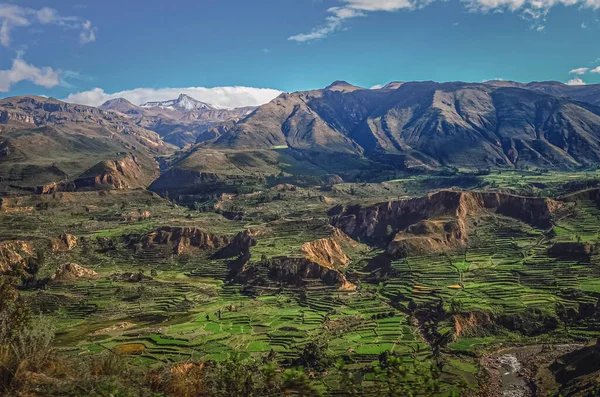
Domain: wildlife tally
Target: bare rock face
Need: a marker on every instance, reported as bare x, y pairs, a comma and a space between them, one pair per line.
468, 324
376, 221
295, 270
320, 259
14, 254
65, 242
329, 252
239, 245
437, 222
185, 239
428, 237
124, 173
136, 215
73, 272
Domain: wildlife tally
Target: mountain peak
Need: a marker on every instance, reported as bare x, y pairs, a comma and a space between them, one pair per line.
394, 85
341, 85
116, 101
183, 103
120, 105
338, 83
188, 103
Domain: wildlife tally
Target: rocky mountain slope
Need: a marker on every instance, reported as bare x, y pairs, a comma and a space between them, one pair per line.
474, 125
340, 130
45, 142
180, 121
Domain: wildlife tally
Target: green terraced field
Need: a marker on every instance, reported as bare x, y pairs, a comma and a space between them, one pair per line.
188, 306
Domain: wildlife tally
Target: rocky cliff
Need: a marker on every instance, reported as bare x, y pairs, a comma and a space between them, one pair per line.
183, 239
124, 173
379, 220
296, 270
437, 222
14, 254
329, 252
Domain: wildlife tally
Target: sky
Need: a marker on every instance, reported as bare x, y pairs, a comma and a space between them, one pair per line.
245, 52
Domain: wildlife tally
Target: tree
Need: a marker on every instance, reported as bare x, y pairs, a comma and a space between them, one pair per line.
314, 356
348, 382
24, 341
296, 382
456, 306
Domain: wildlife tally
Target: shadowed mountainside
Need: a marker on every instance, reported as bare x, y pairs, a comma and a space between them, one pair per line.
496, 124
45, 141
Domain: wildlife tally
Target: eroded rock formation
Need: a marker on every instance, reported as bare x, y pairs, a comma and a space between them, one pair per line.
184, 239
329, 251
73, 272
65, 242
437, 222
14, 254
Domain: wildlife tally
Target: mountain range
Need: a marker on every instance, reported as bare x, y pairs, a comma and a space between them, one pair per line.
341, 129
180, 121
494, 124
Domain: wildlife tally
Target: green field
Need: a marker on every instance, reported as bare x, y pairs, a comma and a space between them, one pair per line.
189, 307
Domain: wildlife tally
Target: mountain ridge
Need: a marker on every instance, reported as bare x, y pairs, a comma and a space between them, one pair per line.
181, 121
496, 124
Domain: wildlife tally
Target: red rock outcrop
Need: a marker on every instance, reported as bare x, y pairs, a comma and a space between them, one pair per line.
467, 324
329, 251
73, 272
124, 173
185, 239
14, 254
439, 221
428, 237
296, 270
65, 242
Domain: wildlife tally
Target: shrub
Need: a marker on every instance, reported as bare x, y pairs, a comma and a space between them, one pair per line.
24, 341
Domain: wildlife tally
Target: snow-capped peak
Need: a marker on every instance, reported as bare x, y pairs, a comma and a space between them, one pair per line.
183, 103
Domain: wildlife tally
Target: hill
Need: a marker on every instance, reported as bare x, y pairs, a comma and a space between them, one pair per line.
45, 143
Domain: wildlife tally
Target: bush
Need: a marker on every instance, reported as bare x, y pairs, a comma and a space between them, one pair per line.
24, 341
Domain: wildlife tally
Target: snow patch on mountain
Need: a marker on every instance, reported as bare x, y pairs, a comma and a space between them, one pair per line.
183, 103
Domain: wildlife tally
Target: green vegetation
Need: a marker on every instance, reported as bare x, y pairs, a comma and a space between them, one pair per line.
183, 319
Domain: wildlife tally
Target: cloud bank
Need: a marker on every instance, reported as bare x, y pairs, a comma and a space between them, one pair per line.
220, 96
14, 16
534, 10
576, 81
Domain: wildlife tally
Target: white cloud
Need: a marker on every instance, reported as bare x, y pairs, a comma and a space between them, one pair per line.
533, 10
578, 71
220, 96
332, 23
576, 81
595, 70
88, 33
13, 16
21, 70
377, 86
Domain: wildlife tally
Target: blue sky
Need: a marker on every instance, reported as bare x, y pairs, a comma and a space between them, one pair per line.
150, 49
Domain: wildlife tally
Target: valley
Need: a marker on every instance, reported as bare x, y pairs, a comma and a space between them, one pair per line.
418, 239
